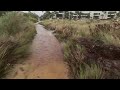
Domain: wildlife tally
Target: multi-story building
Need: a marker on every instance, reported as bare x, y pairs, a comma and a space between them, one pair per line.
111, 14
75, 16
85, 14
95, 14
88, 14
103, 14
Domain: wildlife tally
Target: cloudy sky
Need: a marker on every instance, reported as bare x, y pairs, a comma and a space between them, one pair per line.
37, 12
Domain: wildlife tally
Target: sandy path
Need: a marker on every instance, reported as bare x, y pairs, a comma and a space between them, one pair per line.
45, 61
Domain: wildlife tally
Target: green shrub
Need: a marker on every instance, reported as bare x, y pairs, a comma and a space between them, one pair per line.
16, 34
92, 71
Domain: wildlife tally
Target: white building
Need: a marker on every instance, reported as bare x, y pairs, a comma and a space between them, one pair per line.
89, 14
103, 14
111, 14
85, 14
75, 16
95, 14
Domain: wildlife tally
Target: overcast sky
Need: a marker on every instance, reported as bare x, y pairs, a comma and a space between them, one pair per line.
39, 13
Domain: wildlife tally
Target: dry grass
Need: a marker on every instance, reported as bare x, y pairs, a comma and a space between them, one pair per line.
70, 32
16, 33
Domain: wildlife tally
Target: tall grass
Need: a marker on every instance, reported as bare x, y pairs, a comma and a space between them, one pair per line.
88, 46
16, 34
92, 71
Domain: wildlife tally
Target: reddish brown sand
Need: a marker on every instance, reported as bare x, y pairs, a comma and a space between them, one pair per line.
45, 61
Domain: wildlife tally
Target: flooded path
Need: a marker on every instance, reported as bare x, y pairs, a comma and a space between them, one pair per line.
45, 61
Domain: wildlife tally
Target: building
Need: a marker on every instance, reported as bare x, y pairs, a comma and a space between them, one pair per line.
111, 14
81, 15
59, 15
75, 16
87, 14
95, 14
103, 14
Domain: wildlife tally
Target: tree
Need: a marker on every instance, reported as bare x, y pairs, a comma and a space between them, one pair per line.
118, 14
32, 16
71, 14
3, 12
67, 14
47, 15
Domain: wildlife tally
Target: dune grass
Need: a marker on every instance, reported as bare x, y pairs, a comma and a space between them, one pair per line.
16, 34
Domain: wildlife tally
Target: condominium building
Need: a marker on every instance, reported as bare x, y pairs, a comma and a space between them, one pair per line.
111, 14
95, 14
75, 16
103, 14
85, 14
88, 14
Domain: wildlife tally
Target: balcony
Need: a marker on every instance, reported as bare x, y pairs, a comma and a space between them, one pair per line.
96, 14
75, 15
111, 16
111, 13
96, 17
60, 12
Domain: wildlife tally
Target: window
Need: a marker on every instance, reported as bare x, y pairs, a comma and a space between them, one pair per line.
112, 12
96, 13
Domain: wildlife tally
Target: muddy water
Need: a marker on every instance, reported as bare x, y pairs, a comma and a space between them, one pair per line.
45, 61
